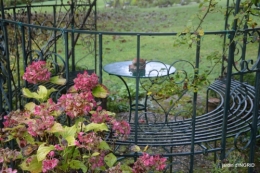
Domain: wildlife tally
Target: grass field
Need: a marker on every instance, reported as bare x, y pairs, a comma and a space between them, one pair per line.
154, 20
171, 19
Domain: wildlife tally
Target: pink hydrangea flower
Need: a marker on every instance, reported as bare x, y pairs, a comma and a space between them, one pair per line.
97, 161
121, 128
15, 117
39, 125
115, 169
77, 104
48, 108
37, 72
8, 170
58, 147
147, 162
85, 82
43, 119
89, 141
7, 155
100, 116
51, 154
49, 164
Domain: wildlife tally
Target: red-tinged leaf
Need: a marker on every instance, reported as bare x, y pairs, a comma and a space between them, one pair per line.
100, 91
72, 89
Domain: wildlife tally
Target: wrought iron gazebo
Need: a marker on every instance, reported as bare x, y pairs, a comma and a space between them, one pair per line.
28, 34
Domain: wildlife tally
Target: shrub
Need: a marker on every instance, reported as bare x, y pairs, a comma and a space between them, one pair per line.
46, 145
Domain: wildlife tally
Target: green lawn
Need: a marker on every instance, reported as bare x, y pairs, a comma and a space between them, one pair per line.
154, 19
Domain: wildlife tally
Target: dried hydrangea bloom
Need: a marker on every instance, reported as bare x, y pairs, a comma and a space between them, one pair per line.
121, 128
85, 82
49, 164
37, 72
77, 104
147, 162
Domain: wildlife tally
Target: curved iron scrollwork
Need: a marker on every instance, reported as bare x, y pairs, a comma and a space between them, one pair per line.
248, 66
166, 87
243, 138
254, 36
171, 87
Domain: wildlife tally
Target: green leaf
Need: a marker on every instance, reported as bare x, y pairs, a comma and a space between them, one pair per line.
110, 159
30, 106
41, 95
33, 167
126, 169
49, 91
86, 156
42, 91
100, 91
104, 146
28, 137
63, 166
135, 148
71, 152
111, 113
69, 131
58, 80
27, 93
95, 154
76, 164
201, 32
70, 140
57, 127
96, 127
43, 151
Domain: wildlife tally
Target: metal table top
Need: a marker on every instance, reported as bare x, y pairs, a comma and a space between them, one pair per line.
152, 69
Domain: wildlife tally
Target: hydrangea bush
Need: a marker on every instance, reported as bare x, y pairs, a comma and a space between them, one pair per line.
46, 145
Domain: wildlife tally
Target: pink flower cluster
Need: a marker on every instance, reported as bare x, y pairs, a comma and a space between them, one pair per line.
77, 104
100, 116
58, 147
8, 170
8, 155
115, 169
15, 117
39, 125
37, 72
50, 162
90, 141
121, 128
43, 119
147, 162
85, 82
97, 161
47, 108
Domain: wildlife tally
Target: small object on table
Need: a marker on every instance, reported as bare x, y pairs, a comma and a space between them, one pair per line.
133, 66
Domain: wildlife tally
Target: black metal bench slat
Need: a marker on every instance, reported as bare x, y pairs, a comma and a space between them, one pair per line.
208, 126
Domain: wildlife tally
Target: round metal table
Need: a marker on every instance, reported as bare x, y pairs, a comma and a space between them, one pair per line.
153, 69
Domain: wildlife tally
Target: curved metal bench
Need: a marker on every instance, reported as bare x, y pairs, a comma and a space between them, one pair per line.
208, 127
